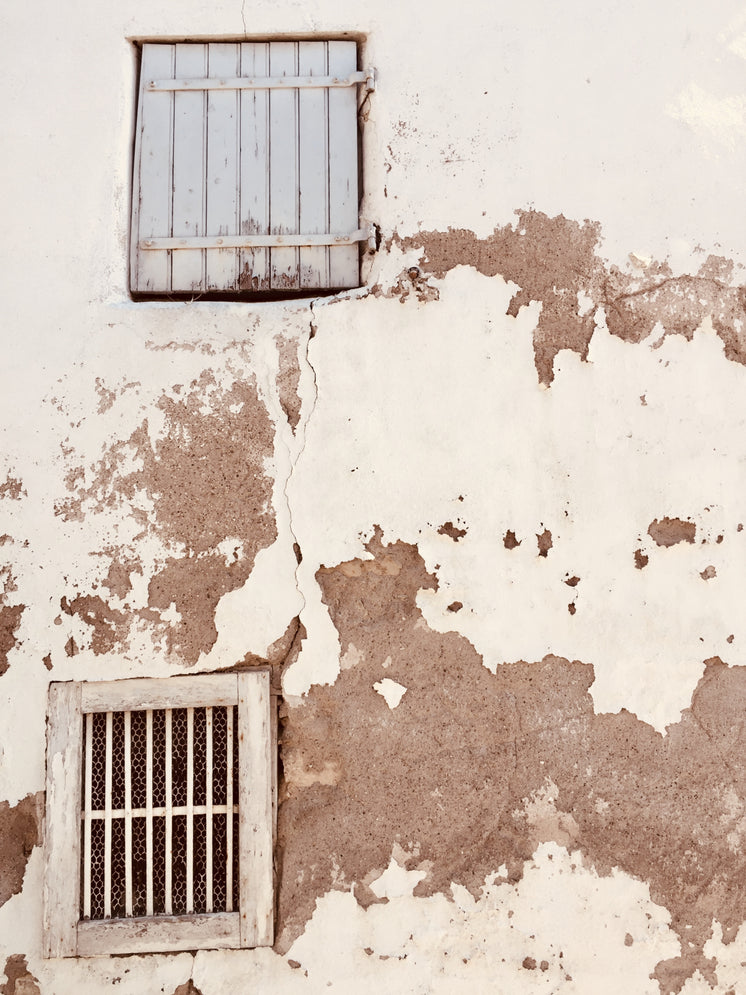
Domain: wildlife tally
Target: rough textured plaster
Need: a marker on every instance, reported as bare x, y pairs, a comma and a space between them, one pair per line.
20, 832
555, 261
19, 980
474, 770
197, 484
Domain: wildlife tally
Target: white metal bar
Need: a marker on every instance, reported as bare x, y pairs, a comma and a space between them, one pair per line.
260, 82
168, 813
159, 811
249, 241
88, 807
313, 159
190, 814
284, 192
128, 813
253, 261
189, 187
149, 811
107, 822
223, 123
229, 811
208, 807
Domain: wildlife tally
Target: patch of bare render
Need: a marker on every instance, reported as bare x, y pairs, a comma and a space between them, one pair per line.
189, 988
10, 616
555, 261
454, 532
473, 770
12, 489
206, 480
288, 379
670, 531
20, 981
20, 832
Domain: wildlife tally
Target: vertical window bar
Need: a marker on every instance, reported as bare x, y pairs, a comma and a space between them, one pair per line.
190, 814
128, 813
208, 807
87, 816
229, 811
168, 908
107, 819
149, 811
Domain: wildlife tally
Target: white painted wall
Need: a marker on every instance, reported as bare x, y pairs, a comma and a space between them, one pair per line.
631, 115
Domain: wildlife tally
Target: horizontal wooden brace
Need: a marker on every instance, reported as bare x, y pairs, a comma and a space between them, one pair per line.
253, 241
263, 82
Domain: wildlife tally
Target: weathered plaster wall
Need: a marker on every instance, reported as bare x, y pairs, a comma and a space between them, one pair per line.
484, 516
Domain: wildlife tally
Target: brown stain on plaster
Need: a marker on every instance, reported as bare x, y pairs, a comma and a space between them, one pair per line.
20, 832
670, 531
20, 981
472, 770
211, 498
555, 261
288, 379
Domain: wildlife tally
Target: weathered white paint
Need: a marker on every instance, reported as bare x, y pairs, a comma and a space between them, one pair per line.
639, 125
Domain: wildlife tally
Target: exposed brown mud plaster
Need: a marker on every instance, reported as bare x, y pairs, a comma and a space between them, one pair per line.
510, 541
12, 489
452, 531
10, 616
189, 988
473, 770
288, 379
211, 505
20, 832
544, 542
20, 981
554, 261
670, 531
641, 559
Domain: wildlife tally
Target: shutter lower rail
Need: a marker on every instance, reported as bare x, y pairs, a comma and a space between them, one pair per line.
254, 241
265, 82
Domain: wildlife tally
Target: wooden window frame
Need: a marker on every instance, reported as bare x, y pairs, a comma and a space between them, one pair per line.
66, 934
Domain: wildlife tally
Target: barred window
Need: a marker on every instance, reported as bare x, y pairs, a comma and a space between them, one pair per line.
160, 815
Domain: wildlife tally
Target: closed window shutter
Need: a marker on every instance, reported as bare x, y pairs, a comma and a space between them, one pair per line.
234, 174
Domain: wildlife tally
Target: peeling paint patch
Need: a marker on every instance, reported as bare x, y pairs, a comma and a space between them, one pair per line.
452, 531
187, 989
391, 691
544, 542
199, 488
510, 541
288, 379
12, 489
20, 832
670, 531
555, 261
10, 617
19, 980
488, 766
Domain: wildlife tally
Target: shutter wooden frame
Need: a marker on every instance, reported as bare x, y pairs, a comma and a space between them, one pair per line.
65, 933
245, 175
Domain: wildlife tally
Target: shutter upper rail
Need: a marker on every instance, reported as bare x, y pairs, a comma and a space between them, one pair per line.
253, 241
264, 82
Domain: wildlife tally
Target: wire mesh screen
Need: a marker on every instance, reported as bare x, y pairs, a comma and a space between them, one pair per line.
160, 813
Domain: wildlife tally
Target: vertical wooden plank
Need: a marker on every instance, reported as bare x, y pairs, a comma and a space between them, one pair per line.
255, 809
208, 808
283, 165
107, 816
168, 870
344, 270
149, 811
313, 117
190, 813
253, 267
128, 813
222, 167
88, 804
229, 811
62, 831
153, 171
190, 107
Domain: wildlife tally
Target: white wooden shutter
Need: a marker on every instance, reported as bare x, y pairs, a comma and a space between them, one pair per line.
246, 168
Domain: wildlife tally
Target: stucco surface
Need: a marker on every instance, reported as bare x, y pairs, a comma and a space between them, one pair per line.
484, 516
